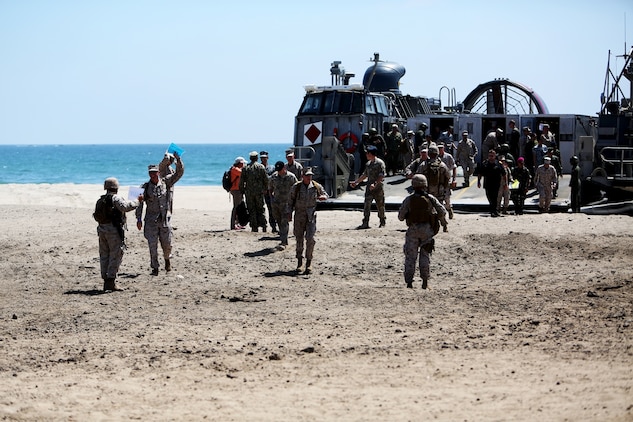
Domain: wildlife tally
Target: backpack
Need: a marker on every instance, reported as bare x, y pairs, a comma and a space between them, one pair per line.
433, 173
423, 212
104, 209
242, 214
226, 180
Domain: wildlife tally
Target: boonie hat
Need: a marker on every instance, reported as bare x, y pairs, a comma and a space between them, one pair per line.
239, 160
253, 154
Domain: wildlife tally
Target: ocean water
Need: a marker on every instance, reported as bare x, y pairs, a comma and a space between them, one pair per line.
204, 163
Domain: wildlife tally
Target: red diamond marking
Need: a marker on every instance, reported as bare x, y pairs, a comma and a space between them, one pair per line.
313, 133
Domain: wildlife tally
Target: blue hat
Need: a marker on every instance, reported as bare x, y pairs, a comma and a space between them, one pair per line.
372, 149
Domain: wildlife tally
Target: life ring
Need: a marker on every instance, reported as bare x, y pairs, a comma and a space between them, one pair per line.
351, 149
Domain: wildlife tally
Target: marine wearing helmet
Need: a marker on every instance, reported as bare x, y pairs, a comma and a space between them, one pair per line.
111, 184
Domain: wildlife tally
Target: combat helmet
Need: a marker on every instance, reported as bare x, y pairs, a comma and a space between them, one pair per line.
419, 181
111, 183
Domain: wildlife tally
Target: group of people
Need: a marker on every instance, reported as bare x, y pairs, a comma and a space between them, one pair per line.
289, 193
157, 199
285, 188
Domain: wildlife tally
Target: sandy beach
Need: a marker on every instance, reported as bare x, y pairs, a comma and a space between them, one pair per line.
527, 318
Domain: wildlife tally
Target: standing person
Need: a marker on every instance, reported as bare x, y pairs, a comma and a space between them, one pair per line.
420, 138
447, 138
393, 140
375, 174
466, 153
157, 215
544, 180
538, 153
438, 178
270, 169
236, 194
494, 176
378, 141
165, 168
529, 142
449, 161
514, 139
555, 162
549, 137
423, 213
574, 184
503, 198
292, 165
523, 175
492, 141
418, 165
110, 214
406, 151
303, 198
254, 184
280, 186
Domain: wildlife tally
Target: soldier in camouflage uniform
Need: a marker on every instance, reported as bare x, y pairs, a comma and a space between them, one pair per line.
303, 198
374, 173
254, 184
293, 166
279, 186
156, 196
111, 242
421, 211
438, 177
418, 165
544, 181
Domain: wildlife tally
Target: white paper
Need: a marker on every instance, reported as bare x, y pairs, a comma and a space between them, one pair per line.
134, 193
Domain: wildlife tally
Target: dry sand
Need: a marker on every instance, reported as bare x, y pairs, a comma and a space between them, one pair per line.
528, 318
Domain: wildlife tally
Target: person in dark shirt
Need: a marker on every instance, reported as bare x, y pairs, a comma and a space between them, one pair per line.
494, 177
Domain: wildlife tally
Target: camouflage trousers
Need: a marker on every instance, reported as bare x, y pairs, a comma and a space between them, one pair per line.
281, 217
305, 229
417, 235
255, 205
545, 194
110, 250
378, 196
156, 232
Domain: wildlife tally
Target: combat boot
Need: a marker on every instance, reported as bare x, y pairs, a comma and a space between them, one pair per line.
110, 285
382, 223
308, 266
299, 263
409, 285
450, 213
167, 265
425, 283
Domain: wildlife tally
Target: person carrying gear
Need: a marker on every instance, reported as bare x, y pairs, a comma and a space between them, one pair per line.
423, 214
110, 214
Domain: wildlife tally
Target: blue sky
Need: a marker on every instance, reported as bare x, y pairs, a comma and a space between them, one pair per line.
135, 71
